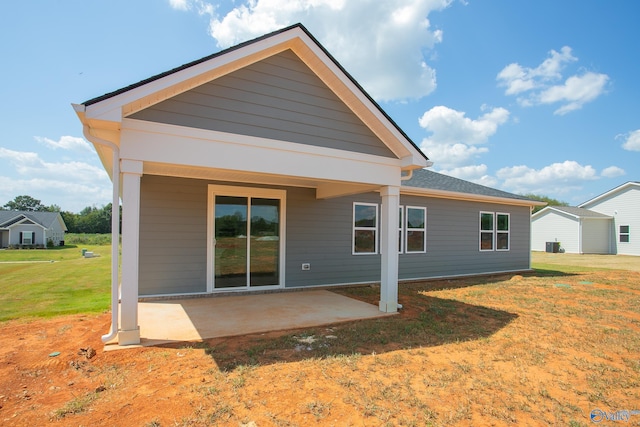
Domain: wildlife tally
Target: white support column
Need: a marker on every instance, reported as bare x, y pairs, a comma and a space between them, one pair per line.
389, 248
129, 332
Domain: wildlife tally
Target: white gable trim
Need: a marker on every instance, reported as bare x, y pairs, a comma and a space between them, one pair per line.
618, 189
115, 108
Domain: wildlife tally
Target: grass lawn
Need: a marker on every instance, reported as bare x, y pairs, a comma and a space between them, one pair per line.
50, 282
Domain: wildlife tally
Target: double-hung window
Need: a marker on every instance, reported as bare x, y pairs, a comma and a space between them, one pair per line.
365, 228
495, 231
502, 231
486, 231
416, 229
624, 234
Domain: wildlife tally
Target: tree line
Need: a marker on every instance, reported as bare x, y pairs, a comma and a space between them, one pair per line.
90, 220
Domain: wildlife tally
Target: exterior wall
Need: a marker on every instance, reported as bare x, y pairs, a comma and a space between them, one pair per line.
278, 98
624, 207
555, 227
173, 235
14, 238
173, 244
55, 233
453, 234
596, 236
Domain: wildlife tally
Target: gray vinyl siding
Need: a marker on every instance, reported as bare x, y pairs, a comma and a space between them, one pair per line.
453, 240
319, 232
173, 247
278, 98
173, 235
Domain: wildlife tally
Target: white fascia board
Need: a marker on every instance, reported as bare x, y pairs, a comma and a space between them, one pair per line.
171, 144
443, 194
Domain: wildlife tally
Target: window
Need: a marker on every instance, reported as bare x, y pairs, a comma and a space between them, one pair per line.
494, 231
365, 228
27, 237
624, 234
486, 231
502, 232
416, 230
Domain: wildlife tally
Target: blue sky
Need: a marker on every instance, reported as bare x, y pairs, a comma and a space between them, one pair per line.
526, 96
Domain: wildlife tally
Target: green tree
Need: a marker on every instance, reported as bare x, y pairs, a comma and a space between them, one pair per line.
548, 200
25, 203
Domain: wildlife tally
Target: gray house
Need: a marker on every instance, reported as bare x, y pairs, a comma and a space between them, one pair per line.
31, 229
266, 167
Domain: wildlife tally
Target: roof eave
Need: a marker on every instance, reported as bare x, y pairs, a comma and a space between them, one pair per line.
444, 194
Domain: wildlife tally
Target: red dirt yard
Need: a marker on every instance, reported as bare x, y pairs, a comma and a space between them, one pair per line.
544, 349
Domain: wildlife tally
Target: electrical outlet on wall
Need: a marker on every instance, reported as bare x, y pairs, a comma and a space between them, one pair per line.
306, 266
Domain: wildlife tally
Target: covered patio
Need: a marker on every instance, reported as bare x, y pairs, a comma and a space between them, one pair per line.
196, 319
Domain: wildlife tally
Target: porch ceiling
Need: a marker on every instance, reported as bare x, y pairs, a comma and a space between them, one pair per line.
196, 319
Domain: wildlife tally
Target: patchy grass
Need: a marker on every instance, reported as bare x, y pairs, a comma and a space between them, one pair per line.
503, 350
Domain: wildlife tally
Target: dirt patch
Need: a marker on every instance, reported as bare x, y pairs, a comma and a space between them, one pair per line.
507, 350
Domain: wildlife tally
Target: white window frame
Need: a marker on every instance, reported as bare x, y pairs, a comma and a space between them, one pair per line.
621, 233
423, 229
401, 230
31, 237
492, 231
356, 228
507, 231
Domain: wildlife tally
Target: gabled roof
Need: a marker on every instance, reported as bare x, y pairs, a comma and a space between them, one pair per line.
617, 189
105, 110
44, 219
578, 213
428, 182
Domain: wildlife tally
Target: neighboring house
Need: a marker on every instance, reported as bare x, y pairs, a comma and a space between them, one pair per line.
602, 225
31, 229
265, 167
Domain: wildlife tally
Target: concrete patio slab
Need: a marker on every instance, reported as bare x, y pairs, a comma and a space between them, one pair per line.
195, 319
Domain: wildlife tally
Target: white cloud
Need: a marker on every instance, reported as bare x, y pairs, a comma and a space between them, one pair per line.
202, 7
576, 91
66, 143
612, 172
537, 85
31, 165
72, 185
454, 137
55, 192
557, 178
384, 52
519, 79
632, 142
179, 4
473, 173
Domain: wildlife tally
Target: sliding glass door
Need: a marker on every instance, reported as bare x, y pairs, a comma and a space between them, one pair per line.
246, 244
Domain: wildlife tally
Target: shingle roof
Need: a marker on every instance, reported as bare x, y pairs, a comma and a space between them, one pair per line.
45, 219
579, 212
423, 178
